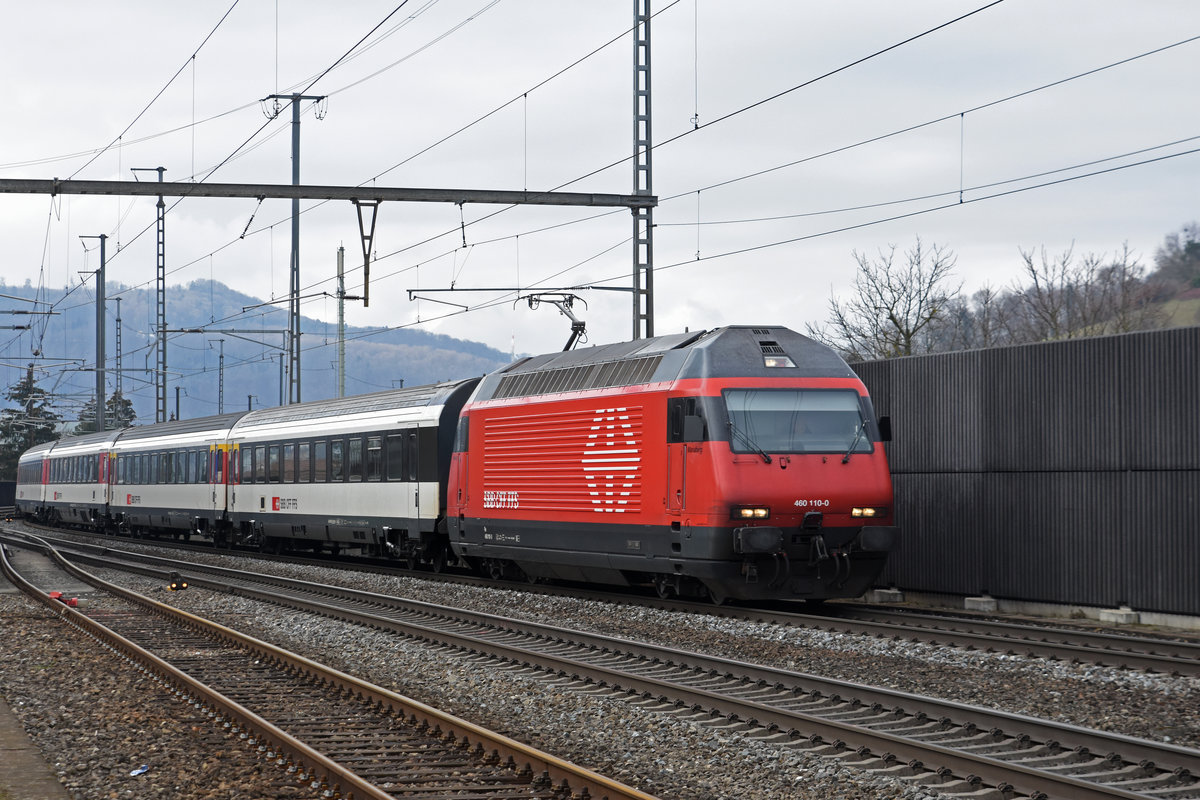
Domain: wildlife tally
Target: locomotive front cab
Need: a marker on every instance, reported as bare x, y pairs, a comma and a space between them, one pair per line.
799, 498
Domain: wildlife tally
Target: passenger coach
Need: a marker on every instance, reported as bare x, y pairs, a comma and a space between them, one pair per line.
366, 472
170, 477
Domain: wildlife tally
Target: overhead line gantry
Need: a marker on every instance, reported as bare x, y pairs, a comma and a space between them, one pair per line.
360, 196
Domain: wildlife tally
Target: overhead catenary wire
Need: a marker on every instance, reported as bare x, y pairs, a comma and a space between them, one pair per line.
166, 86
462, 226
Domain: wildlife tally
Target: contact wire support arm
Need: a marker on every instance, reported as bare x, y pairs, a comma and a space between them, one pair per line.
368, 240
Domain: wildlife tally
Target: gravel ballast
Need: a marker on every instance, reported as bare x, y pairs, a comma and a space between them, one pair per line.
657, 753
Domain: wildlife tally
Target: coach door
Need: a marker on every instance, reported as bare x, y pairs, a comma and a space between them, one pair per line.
218, 466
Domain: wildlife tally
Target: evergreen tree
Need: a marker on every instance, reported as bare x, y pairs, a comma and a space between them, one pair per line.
118, 413
29, 420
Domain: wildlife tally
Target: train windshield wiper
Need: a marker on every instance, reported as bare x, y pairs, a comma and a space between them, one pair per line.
854, 442
746, 440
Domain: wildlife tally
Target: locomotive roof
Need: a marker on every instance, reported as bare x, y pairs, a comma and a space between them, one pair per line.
736, 350
387, 400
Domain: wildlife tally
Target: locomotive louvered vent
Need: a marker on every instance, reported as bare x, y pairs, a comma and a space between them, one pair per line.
760, 331
575, 379
771, 349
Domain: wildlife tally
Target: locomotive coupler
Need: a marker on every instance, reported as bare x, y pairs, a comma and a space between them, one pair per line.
817, 551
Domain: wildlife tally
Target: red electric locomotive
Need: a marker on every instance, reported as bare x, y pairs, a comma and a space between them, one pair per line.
741, 462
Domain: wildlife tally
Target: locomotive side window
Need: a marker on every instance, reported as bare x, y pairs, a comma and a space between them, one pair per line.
374, 457
797, 421
685, 420
320, 462
462, 434
337, 463
395, 457
354, 459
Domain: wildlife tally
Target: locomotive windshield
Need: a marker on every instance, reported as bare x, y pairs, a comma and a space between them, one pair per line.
797, 421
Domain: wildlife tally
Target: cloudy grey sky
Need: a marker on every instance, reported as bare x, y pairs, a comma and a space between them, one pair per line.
760, 211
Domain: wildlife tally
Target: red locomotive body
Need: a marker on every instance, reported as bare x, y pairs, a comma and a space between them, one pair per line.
742, 463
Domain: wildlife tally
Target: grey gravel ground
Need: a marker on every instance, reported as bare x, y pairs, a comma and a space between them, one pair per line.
671, 758
96, 722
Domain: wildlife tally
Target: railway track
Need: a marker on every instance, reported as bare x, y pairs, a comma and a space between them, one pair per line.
1171, 656
1177, 656
331, 730
952, 747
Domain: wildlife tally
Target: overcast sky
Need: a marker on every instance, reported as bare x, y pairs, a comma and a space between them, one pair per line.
769, 248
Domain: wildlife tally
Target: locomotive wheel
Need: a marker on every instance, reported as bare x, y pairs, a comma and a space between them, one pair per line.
716, 596
495, 570
664, 586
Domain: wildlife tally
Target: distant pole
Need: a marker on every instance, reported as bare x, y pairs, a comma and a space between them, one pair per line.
99, 334
177, 403
249, 402
117, 387
341, 324
160, 296
294, 299
221, 377
643, 218
100, 339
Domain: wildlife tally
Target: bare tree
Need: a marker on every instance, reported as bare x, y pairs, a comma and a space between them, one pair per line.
1068, 298
893, 305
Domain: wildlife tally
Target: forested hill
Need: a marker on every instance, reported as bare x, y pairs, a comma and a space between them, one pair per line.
374, 361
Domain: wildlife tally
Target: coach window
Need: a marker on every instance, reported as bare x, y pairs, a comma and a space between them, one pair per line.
193, 469
320, 462
289, 463
273, 463
202, 459
303, 462
218, 468
395, 457
337, 461
412, 455
374, 457
354, 459
260, 464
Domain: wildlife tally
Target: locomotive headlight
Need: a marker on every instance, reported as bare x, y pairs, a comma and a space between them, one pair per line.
868, 512
750, 512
